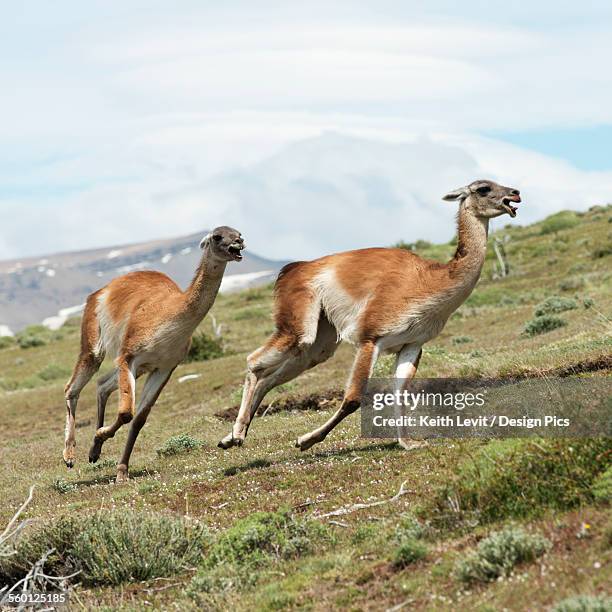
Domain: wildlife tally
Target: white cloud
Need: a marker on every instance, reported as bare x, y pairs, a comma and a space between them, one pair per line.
319, 195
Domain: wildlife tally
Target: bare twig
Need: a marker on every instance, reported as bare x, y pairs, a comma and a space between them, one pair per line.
263, 414
35, 579
6, 535
339, 523
355, 507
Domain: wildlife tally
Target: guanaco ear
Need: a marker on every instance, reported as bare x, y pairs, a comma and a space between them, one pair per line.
204, 241
458, 194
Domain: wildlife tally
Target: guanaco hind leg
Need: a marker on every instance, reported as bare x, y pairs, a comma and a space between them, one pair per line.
85, 368
271, 366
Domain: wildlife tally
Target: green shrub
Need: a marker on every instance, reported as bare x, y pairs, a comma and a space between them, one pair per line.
61, 486
203, 348
101, 465
365, 533
409, 551
26, 341
176, 445
462, 339
419, 245
602, 487
498, 554
555, 304
6, 341
409, 528
584, 603
409, 547
543, 324
521, 478
53, 371
110, 548
32, 336
263, 536
563, 220
253, 543
573, 283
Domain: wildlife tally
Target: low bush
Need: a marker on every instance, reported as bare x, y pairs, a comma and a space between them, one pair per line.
32, 336
61, 486
177, 445
409, 548
110, 548
26, 341
543, 324
101, 465
203, 348
53, 371
253, 543
262, 537
584, 603
573, 283
419, 245
6, 342
462, 340
555, 304
602, 487
409, 551
522, 478
560, 221
498, 554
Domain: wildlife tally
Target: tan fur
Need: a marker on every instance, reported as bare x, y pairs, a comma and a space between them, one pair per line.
380, 299
144, 321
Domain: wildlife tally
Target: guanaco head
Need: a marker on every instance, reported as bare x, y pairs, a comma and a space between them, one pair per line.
224, 243
486, 198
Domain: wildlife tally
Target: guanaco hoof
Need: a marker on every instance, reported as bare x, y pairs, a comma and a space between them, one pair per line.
304, 445
122, 474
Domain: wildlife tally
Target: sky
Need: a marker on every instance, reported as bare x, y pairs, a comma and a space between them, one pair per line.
310, 127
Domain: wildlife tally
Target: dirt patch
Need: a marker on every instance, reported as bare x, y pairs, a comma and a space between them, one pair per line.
312, 401
590, 365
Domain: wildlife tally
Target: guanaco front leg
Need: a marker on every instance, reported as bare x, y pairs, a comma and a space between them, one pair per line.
406, 366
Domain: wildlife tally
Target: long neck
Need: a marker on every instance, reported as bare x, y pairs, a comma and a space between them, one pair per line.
472, 232
202, 291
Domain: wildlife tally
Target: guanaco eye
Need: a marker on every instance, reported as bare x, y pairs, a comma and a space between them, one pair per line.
483, 190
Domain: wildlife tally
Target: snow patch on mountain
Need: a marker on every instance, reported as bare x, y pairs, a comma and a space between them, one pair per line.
5, 330
62, 316
236, 282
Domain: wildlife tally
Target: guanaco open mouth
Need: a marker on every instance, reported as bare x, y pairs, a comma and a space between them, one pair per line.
234, 251
511, 210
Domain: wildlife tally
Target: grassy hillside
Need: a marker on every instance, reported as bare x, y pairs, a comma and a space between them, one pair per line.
403, 554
